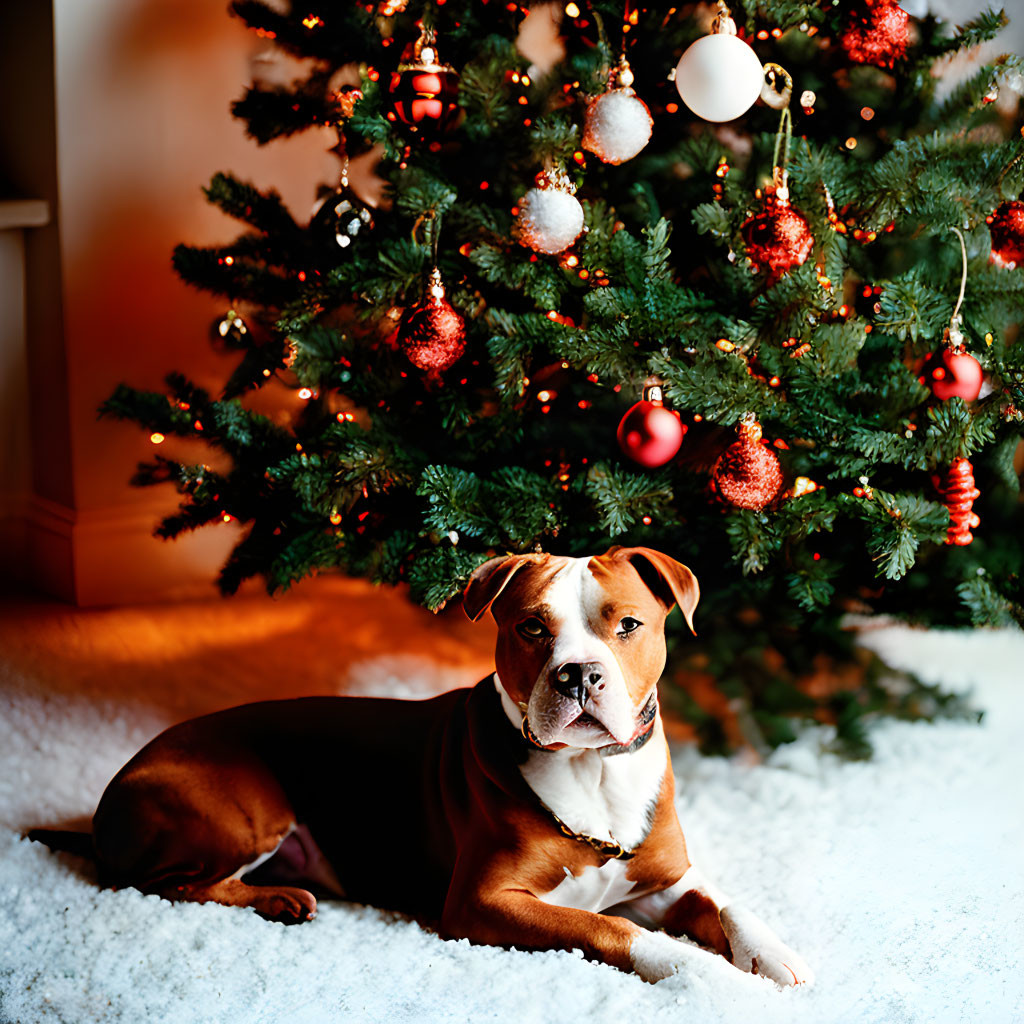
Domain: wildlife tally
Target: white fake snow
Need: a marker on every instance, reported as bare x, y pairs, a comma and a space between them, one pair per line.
898, 879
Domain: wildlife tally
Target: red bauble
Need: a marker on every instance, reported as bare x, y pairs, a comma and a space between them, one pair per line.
1007, 227
649, 433
747, 474
956, 487
433, 334
876, 33
953, 373
423, 90
778, 237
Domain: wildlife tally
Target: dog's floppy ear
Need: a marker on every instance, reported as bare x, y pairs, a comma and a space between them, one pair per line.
488, 581
669, 580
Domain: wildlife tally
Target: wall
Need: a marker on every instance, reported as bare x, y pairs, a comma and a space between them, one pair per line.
143, 90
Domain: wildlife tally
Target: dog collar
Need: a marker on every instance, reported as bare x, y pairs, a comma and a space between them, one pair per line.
610, 849
647, 716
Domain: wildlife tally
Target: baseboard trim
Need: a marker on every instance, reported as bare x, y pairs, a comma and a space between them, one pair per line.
109, 556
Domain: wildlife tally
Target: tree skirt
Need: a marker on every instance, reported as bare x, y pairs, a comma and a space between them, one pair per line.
898, 879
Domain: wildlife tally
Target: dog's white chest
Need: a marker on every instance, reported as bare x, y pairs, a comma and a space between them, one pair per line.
609, 798
595, 889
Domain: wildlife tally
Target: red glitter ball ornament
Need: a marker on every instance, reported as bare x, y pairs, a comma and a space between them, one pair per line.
649, 433
1007, 227
958, 492
423, 90
433, 334
747, 474
876, 32
778, 237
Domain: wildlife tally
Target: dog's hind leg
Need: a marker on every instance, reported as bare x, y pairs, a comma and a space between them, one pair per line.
285, 904
188, 827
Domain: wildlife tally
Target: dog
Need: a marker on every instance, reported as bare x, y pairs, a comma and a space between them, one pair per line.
512, 814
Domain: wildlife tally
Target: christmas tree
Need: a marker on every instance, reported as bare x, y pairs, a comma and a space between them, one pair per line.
773, 337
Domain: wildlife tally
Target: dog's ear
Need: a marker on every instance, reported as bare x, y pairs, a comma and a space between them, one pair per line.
488, 581
670, 581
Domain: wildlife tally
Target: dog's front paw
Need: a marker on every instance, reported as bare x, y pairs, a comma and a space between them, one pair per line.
758, 950
655, 955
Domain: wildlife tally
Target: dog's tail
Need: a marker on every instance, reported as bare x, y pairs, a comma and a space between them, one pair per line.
64, 840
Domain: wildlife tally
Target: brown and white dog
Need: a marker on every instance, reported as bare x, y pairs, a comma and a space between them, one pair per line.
513, 813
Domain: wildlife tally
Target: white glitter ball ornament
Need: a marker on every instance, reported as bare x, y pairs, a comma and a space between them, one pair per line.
550, 216
719, 77
617, 126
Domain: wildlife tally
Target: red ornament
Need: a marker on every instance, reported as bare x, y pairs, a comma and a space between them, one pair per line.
433, 334
1007, 227
876, 32
953, 372
423, 90
747, 474
649, 433
958, 493
778, 237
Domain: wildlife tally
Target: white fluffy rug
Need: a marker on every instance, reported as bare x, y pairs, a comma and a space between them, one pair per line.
900, 880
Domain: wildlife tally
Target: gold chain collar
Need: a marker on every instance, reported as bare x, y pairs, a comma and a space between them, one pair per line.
607, 848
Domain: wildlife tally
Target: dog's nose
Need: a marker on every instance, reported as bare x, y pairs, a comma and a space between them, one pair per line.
575, 680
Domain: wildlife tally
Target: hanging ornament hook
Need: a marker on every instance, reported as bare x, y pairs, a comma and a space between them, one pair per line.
723, 23
429, 222
956, 338
780, 156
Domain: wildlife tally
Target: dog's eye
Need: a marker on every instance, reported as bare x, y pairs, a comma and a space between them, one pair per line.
533, 629
629, 625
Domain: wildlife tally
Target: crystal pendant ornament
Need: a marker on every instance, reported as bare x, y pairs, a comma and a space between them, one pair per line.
230, 331
777, 90
649, 433
779, 237
617, 124
876, 32
432, 333
719, 77
550, 216
747, 474
342, 217
958, 492
953, 372
1007, 227
423, 90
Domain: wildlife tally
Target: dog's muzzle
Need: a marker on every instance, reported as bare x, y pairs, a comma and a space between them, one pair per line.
576, 680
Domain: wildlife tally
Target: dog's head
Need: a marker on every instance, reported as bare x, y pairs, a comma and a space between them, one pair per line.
581, 641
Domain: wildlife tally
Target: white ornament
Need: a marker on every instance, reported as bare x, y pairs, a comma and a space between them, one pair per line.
719, 77
617, 126
550, 217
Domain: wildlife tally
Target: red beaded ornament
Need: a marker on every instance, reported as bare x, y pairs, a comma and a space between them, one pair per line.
778, 237
1007, 227
747, 474
432, 333
649, 433
876, 32
956, 487
423, 90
